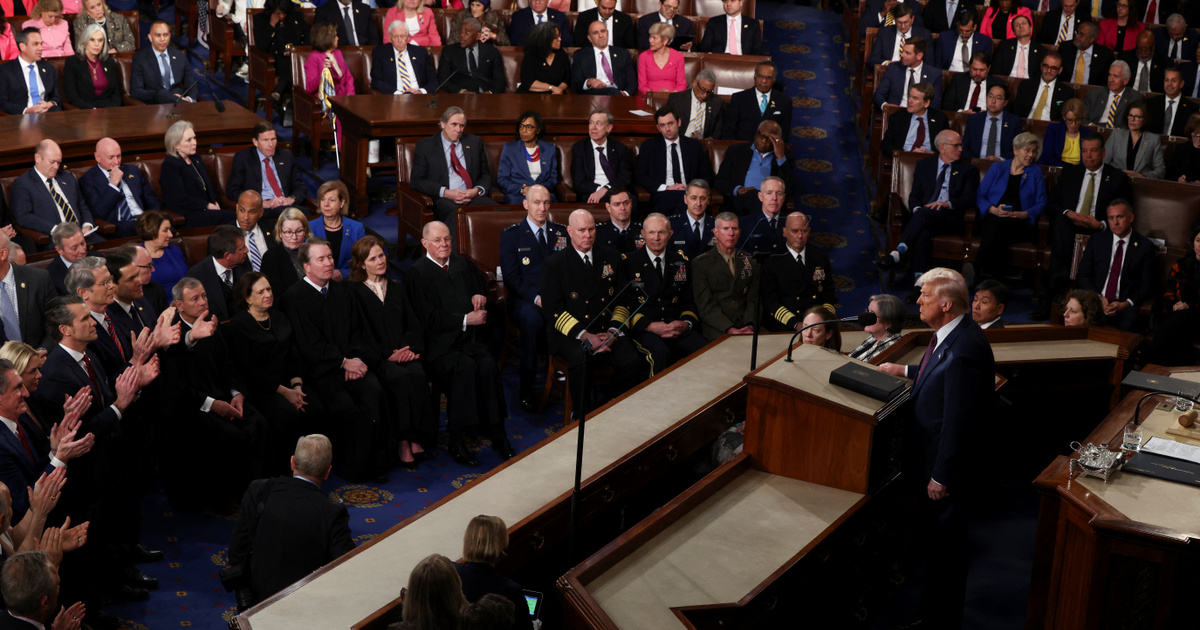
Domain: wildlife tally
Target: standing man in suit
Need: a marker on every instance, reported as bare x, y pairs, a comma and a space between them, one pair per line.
91, 280
220, 269
748, 34
990, 134
955, 50
1108, 107
267, 170
1168, 113
1043, 99
968, 91
24, 293
939, 16
478, 64
1059, 25
451, 167
764, 101
1176, 41
914, 127
951, 399
620, 232
355, 26
1146, 64
602, 69
668, 11
523, 21
1119, 265
747, 164
621, 32
692, 230
1019, 57
400, 67
899, 78
725, 283
701, 112
1085, 61
796, 280
158, 71
523, 248
116, 192
891, 39
45, 196
665, 163
70, 244
288, 527
30, 85
599, 163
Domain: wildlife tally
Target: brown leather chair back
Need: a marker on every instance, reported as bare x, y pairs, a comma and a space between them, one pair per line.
435, 56
732, 71
479, 232
1166, 210
512, 56
194, 246
716, 152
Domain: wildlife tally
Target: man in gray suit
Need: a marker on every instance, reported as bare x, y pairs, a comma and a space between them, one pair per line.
702, 101
1108, 107
21, 319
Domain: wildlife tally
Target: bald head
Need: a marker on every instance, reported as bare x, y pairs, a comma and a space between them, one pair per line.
796, 231
47, 157
582, 228
108, 154
249, 209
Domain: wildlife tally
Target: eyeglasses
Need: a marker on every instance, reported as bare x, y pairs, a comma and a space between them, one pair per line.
1070, 120
527, 126
704, 90
1047, 66
1135, 117
150, 266
764, 76
292, 232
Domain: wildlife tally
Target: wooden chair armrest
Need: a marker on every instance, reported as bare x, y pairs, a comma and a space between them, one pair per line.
104, 227
39, 239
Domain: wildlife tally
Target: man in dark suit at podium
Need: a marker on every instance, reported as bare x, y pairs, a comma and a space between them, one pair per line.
620, 26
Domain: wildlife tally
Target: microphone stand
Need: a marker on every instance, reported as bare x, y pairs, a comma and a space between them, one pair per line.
216, 101
760, 257
433, 101
172, 113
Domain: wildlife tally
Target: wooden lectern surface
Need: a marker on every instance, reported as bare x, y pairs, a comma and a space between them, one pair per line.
1024, 351
719, 551
369, 580
810, 373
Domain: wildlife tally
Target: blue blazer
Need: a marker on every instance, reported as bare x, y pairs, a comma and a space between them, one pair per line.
17, 471
583, 67
1052, 143
14, 94
521, 257
383, 68
146, 83
522, 22
685, 241
891, 85
1033, 189
103, 200
34, 208
1010, 126
351, 231
514, 173
943, 51
885, 41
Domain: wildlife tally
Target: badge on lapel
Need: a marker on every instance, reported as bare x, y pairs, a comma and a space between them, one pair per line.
818, 274
561, 243
606, 272
525, 260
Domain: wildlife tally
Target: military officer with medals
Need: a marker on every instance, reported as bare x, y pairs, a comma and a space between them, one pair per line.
797, 279
692, 229
725, 283
619, 232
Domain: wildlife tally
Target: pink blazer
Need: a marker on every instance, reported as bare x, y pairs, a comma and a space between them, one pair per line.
560, 5
989, 16
8, 45
427, 35
668, 78
56, 40
315, 63
1108, 35
72, 6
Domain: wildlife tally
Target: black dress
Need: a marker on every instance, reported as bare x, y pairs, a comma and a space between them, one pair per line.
276, 40
187, 189
479, 579
997, 233
535, 69
282, 268
1185, 162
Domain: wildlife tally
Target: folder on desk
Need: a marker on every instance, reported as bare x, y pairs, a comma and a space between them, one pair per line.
1166, 468
862, 379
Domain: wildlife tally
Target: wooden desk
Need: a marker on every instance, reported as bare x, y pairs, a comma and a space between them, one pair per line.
372, 116
139, 129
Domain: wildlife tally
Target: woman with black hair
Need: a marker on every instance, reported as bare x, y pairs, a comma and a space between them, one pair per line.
527, 161
545, 68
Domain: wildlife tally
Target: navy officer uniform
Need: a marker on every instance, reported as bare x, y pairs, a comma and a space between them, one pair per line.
624, 241
792, 284
667, 298
762, 234
521, 257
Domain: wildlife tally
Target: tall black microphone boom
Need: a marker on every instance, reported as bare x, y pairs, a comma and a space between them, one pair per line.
433, 101
216, 101
180, 97
864, 319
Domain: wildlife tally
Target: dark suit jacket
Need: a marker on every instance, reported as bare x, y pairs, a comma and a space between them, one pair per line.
583, 67
742, 117
1137, 267
583, 166
683, 28
325, 328
299, 530
143, 316
964, 184
104, 201
81, 90
146, 83
714, 113
573, 297
17, 470
947, 43
181, 190
383, 68
479, 579
891, 85
431, 171
489, 71
8, 622
61, 377
34, 290
521, 258
724, 300
392, 323
732, 173
958, 93
870, 18
652, 162
246, 174
1095, 100
58, 275
34, 207
623, 32
790, 288
1189, 70
1158, 67
885, 43
1112, 184
1048, 33
522, 22
1004, 60
757, 236
1026, 98
1010, 126
364, 26
1156, 110
440, 300
685, 241
220, 297
1102, 58
13, 92
513, 171
897, 131
935, 19
668, 295
716, 36
1162, 40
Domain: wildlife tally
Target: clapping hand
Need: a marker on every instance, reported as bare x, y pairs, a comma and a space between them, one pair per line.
45, 492
69, 618
74, 537
205, 326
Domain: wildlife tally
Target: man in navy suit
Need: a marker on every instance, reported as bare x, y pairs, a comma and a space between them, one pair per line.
914, 127
451, 168
267, 170
17, 96
1168, 113
590, 177
668, 11
1119, 264
950, 401
990, 134
941, 15
44, 196
716, 33
701, 99
762, 229
523, 21
1176, 41
762, 102
399, 67
692, 230
22, 319
1049, 92
70, 245
899, 77
116, 192
1096, 58
1019, 57
590, 74
954, 50
747, 164
150, 83
523, 248
891, 39
470, 65
666, 163
967, 91
220, 269
620, 26
1059, 25
360, 30
91, 280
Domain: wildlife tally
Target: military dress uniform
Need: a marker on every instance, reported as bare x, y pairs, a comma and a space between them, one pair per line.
691, 240
573, 293
521, 257
791, 287
724, 299
759, 236
624, 241
668, 298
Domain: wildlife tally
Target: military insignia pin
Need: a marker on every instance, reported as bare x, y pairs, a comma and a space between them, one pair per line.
525, 260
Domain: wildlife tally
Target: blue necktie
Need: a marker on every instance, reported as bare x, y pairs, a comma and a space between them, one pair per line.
255, 256
8, 312
762, 107
35, 96
166, 71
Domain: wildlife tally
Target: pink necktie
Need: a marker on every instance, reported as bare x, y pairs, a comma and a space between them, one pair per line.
733, 39
1020, 63
607, 67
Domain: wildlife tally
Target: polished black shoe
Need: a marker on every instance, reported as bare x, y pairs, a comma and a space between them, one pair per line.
135, 578
129, 593
503, 448
138, 554
100, 620
886, 262
459, 453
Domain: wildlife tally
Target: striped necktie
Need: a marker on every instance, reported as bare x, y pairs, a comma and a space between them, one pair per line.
255, 255
405, 79
68, 213
1111, 115
1062, 32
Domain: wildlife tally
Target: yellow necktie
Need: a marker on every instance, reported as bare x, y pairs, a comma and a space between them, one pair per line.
1037, 109
1080, 69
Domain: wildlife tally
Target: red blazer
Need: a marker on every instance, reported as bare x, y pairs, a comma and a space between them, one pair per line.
1108, 35
8, 6
985, 27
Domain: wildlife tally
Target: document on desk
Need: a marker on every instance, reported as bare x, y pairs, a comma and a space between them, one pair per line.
1170, 448
640, 112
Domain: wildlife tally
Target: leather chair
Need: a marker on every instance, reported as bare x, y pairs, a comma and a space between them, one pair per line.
222, 42
512, 57
308, 118
262, 66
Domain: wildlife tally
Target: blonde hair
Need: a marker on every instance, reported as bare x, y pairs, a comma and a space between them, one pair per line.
174, 136
947, 284
19, 354
662, 29
291, 214
485, 540
53, 6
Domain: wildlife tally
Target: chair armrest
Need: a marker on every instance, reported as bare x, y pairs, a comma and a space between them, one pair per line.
104, 227
38, 238
177, 220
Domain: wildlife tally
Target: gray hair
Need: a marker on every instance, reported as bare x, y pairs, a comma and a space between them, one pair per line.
395, 25
5, 366
26, 578
474, 23
58, 313
1025, 139
313, 455
943, 137
185, 283
663, 29
1122, 65
947, 284
81, 43
727, 216
601, 110
1176, 20
64, 231
174, 136
891, 311
706, 75
1090, 28
80, 275
699, 183
773, 178
452, 111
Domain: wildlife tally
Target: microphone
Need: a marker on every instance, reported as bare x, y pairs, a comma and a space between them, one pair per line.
433, 101
639, 285
182, 94
216, 101
864, 319
741, 250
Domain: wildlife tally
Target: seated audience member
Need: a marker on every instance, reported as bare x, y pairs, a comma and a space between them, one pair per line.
545, 68
890, 40
184, 181
326, 60
828, 336
1134, 149
22, 318
335, 226
602, 69
1174, 340
889, 313
117, 192
879, 14
491, 28
1168, 113
725, 283
692, 229
434, 595
249, 214
665, 326
527, 161
221, 269
618, 25
8, 43
763, 228
599, 164
400, 67
1060, 25
1010, 200
732, 33
765, 101
968, 90
989, 133
298, 530
17, 96
450, 298
47, 195
1019, 56
987, 307
1175, 40
484, 543
471, 64
620, 231
701, 112
355, 26
1119, 264
160, 72
747, 164
1085, 61
70, 245
914, 127
793, 282
277, 29
1185, 158
682, 33
1063, 138
30, 585
281, 262
421, 22
154, 228
1145, 64
660, 68
268, 170
1043, 99
1083, 308
959, 44
899, 78
491, 612
1121, 26
118, 36
666, 162
451, 167
1107, 108
91, 79
56, 33
997, 18
525, 20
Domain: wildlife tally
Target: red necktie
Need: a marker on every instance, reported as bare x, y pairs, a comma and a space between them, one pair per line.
445, 267
925, 359
919, 141
25, 442
1151, 10
458, 167
87, 365
975, 96
1114, 273
271, 179
112, 332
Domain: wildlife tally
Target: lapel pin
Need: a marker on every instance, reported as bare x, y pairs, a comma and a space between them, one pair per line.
22, 285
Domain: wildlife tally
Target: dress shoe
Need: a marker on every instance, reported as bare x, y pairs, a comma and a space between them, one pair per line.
503, 448
129, 593
459, 453
134, 577
100, 620
138, 554
886, 262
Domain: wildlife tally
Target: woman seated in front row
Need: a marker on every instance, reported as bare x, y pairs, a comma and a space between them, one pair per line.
1010, 200
184, 181
527, 161
545, 69
342, 232
48, 20
91, 79
660, 69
